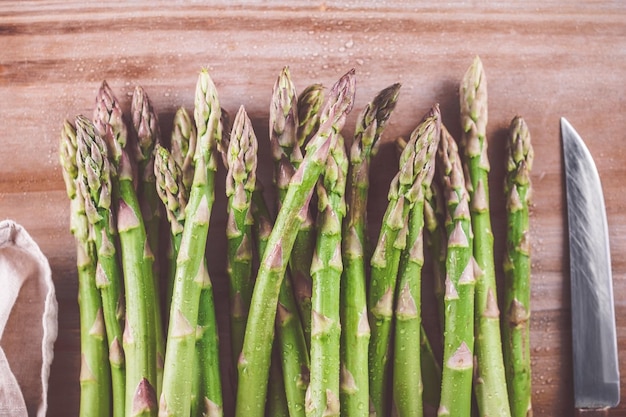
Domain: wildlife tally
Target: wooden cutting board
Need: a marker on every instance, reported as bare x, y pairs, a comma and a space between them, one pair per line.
543, 60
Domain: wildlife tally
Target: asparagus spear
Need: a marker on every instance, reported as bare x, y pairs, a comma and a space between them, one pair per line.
207, 385
183, 146
110, 125
517, 269
456, 379
355, 331
491, 392
172, 191
94, 183
148, 135
293, 318
434, 221
240, 184
174, 195
407, 374
287, 158
190, 270
435, 237
140, 338
323, 391
284, 125
309, 103
206, 382
290, 350
414, 165
95, 377
254, 361
276, 405
429, 364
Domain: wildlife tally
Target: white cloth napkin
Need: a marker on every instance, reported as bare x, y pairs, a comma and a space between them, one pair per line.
28, 323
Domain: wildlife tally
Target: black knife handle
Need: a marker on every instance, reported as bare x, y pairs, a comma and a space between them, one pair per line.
592, 412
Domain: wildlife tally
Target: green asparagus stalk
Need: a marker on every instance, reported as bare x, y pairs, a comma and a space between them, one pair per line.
434, 221
276, 405
284, 126
183, 148
287, 158
293, 350
240, 184
174, 194
110, 125
407, 373
309, 103
293, 316
190, 271
206, 382
262, 221
254, 361
207, 397
207, 385
355, 330
516, 332
289, 344
414, 163
491, 391
171, 190
430, 366
140, 338
147, 136
95, 377
94, 183
323, 392
456, 379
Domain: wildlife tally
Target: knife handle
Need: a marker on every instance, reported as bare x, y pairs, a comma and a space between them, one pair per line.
592, 412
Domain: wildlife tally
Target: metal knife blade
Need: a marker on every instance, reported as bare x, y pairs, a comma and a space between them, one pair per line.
596, 370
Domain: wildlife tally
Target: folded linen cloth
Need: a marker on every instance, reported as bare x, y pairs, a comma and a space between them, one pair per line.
28, 323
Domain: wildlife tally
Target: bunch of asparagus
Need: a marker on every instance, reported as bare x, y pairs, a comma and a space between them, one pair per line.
321, 323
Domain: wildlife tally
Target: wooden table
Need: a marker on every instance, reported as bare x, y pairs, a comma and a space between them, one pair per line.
543, 59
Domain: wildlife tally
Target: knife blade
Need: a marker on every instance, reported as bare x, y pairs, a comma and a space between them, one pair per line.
594, 340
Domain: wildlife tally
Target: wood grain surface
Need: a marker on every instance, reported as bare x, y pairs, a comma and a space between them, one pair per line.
543, 60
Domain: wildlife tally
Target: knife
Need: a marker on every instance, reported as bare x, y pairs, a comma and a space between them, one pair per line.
594, 340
